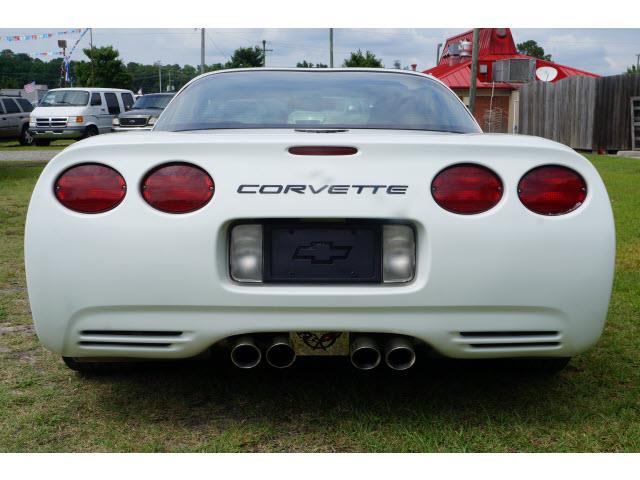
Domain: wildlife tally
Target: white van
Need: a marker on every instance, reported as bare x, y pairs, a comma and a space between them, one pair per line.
77, 113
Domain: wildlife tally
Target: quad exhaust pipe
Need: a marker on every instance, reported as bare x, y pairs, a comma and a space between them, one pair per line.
280, 353
245, 353
399, 354
365, 354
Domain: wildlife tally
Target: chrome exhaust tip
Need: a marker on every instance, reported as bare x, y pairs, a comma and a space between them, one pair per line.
245, 353
280, 353
365, 354
399, 354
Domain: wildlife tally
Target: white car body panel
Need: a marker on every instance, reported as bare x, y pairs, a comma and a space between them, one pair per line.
138, 269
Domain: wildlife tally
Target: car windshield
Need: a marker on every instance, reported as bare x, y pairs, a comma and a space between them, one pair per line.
60, 98
320, 99
152, 101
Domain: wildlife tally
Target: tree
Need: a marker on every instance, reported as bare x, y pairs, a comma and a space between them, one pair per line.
305, 64
18, 69
107, 69
358, 59
531, 48
633, 69
245, 57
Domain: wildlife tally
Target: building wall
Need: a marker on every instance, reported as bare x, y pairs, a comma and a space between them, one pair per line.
501, 120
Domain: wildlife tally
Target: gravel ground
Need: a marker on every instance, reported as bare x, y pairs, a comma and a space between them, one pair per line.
42, 155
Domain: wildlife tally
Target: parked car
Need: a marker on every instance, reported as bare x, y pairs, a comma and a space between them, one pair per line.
77, 113
14, 119
286, 212
143, 114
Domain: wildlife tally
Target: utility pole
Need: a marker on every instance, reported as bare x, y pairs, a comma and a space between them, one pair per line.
264, 52
474, 70
159, 64
331, 47
91, 47
637, 62
438, 55
202, 50
63, 45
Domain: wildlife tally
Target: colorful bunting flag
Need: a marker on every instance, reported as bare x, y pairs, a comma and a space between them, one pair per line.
39, 36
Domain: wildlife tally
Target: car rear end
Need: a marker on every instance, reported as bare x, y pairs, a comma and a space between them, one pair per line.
300, 212
137, 281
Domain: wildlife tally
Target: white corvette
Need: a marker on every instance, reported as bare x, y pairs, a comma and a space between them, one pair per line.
288, 212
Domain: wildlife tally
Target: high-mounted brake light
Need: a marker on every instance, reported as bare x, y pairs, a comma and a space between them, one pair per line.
466, 189
90, 188
322, 150
552, 190
177, 188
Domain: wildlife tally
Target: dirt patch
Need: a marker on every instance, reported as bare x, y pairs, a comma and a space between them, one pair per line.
7, 328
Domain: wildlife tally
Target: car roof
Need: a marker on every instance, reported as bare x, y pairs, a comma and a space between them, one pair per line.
93, 89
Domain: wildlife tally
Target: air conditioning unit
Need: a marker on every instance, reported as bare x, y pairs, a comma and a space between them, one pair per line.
514, 70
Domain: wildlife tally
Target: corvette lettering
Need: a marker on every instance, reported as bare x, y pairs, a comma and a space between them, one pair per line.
276, 189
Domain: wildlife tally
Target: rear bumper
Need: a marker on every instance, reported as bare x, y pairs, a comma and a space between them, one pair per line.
451, 331
474, 298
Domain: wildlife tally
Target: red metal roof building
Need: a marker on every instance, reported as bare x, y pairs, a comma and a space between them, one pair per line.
497, 98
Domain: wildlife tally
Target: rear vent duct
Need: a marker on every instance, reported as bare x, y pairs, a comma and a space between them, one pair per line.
509, 340
149, 339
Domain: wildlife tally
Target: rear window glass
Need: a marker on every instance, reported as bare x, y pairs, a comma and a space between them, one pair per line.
322, 99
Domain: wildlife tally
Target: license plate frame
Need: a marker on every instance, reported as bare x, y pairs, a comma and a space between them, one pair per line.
322, 252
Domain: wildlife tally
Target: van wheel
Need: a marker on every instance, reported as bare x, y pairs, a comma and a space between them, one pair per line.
41, 142
26, 138
91, 131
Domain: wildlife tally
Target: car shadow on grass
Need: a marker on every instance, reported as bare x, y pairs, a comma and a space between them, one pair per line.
326, 389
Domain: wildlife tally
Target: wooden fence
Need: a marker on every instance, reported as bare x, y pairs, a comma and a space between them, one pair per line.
582, 112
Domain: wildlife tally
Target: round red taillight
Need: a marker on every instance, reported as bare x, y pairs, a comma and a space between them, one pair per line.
90, 188
552, 190
177, 188
466, 189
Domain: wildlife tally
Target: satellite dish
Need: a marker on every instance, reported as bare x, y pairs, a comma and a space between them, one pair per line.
546, 74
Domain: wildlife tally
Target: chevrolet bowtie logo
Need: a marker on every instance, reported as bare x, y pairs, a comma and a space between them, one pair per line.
321, 252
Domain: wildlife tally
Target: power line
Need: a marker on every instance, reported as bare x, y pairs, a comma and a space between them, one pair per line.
215, 45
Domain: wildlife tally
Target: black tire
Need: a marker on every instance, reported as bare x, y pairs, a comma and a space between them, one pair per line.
93, 368
26, 139
542, 366
41, 142
91, 131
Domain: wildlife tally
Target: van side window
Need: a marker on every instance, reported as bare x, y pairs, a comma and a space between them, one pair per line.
25, 104
10, 106
127, 100
96, 100
112, 103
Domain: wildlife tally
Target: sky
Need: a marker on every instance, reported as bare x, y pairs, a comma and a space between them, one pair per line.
601, 51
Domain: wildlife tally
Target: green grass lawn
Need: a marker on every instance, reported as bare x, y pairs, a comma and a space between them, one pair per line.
14, 145
593, 405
